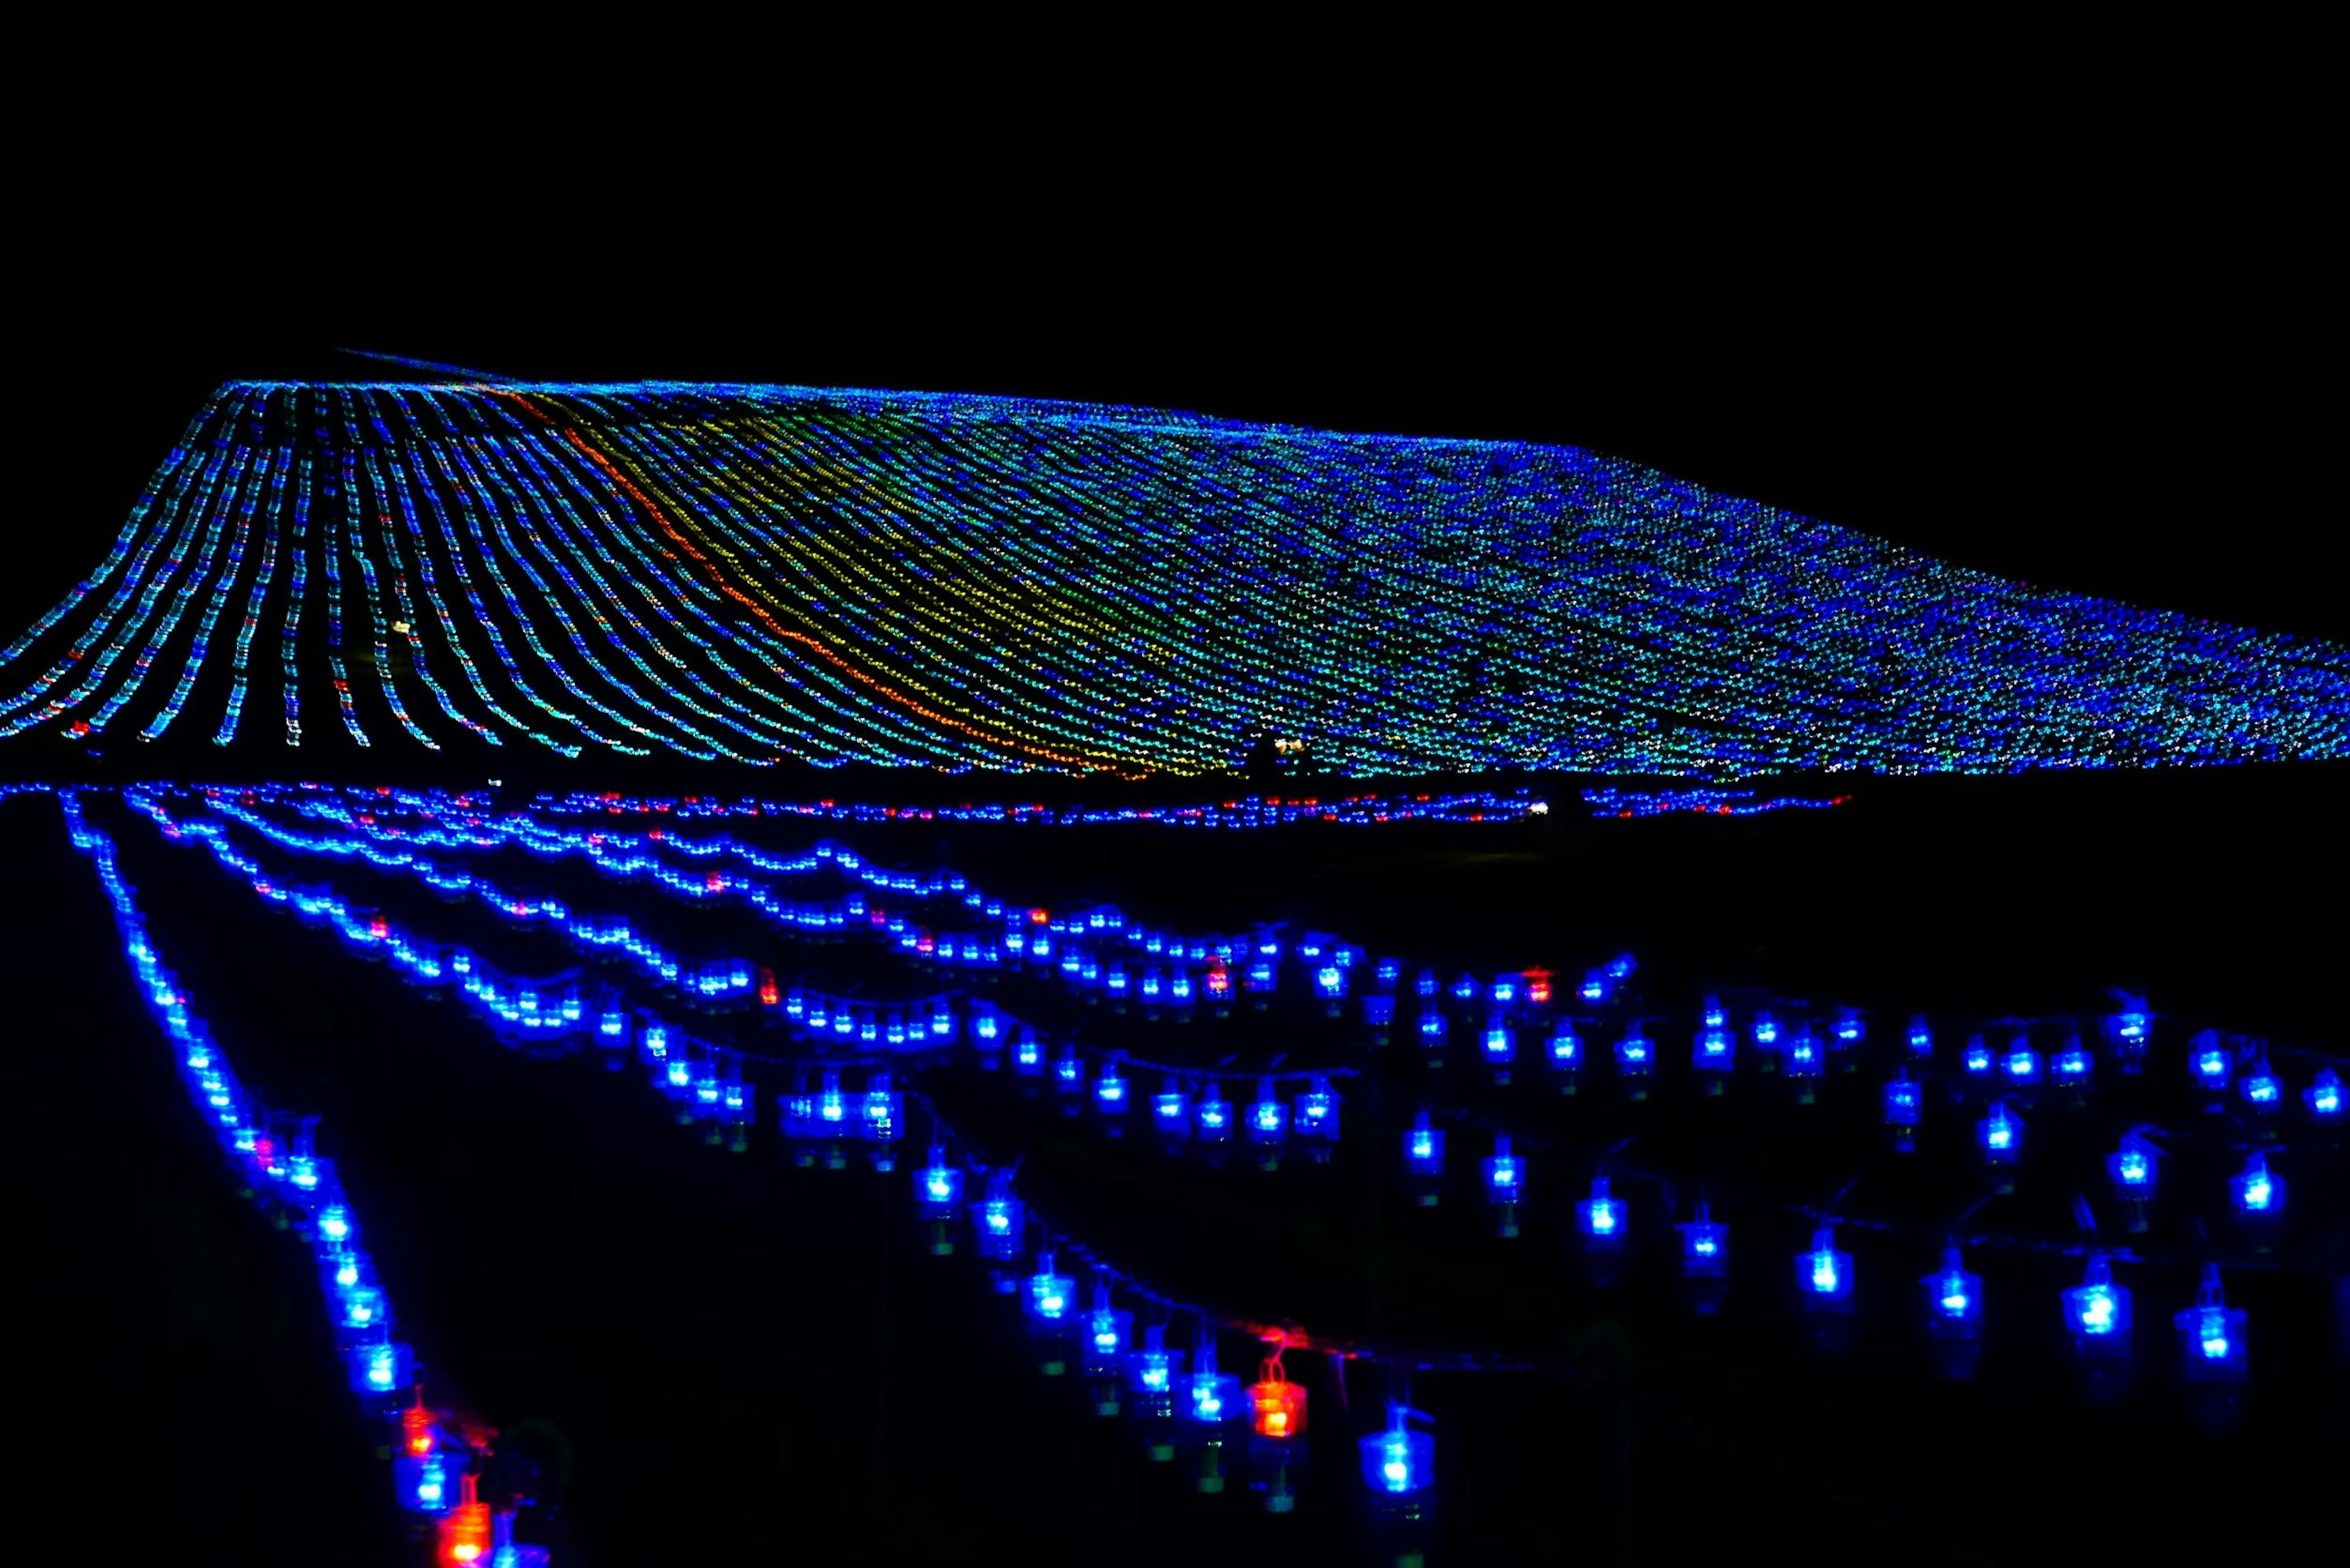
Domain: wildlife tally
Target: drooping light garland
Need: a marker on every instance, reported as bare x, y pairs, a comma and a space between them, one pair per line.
436, 1453
1627, 803
2237, 1073
1103, 1077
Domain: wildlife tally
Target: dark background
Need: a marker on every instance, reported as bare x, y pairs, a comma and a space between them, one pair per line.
2085, 343
2080, 341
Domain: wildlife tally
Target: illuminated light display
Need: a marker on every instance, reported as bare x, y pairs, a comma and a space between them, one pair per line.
2135, 1169
1705, 1246
2000, 1135
1601, 1218
2324, 1097
1277, 1405
2098, 1311
1625, 802
1823, 1275
379, 1367
2257, 1193
1505, 1174
1093, 934
1953, 1299
755, 574
1398, 1462
2212, 1344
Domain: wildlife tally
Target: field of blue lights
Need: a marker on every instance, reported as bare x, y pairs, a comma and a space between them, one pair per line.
2130, 1206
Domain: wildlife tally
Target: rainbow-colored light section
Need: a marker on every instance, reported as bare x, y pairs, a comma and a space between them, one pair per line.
766, 574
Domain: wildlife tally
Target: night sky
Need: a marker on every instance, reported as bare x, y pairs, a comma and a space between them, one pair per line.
2094, 373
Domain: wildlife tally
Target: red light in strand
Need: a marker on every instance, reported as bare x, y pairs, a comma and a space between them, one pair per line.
1277, 1405
466, 1530
416, 1425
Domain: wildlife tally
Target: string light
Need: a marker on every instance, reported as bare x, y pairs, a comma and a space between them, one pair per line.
1398, 1462
2098, 1311
1601, 1218
1823, 1275
1954, 1300
2212, 1342
1705, 1246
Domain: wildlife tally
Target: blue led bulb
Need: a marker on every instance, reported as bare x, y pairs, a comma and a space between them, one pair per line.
2211, 1339
2098, 1311
2071, 1066
1635, 1056
2257, 1194
1953, 1299
1317, 1112
938, 1187
422, 1482
1110, 1091
2259, 1087
1904, 1101
1801, 1052
1705, 1246
999, 1219
1211, 1397
1050, 1295
2324, 1097
1976, 1059
1268, 1118
1505, 1174
1716, 1050
1601, 1218
1214, 1115
2134, 1168
2210, 1061
1423, 1146
883, 1115
1106, 1332
1999, 1136
1398, 1462
1500, 1044
1921, 1038
1566, 1049
1153, 1369
2020, 1066
1171, 1109
1823, 1275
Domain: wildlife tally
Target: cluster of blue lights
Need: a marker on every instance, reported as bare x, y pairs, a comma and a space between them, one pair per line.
286, 1169
851, 1091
